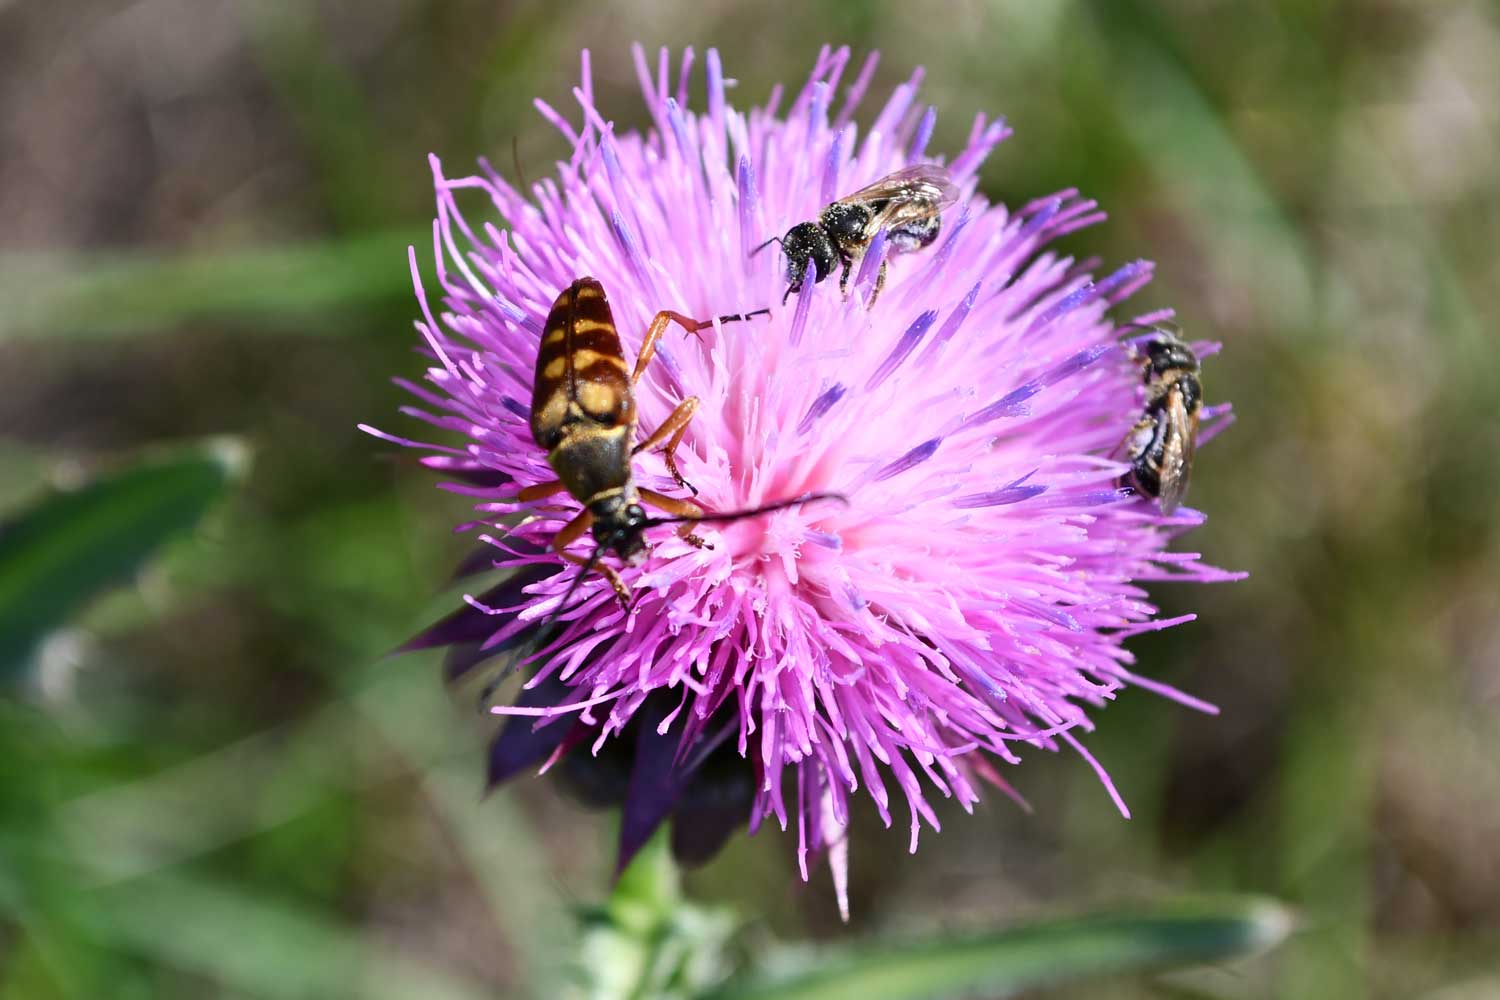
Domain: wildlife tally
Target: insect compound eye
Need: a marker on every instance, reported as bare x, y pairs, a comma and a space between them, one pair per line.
630, 545
825, 258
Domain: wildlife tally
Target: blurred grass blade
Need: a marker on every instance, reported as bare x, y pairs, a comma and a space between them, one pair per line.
71, 546
255, 944
1041, 954
51, 295
296, 51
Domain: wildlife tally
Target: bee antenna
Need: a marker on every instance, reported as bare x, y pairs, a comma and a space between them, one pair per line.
542, 630
735, 515
773, 239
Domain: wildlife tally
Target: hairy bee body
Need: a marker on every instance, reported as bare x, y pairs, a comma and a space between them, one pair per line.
1161, 445
906, 204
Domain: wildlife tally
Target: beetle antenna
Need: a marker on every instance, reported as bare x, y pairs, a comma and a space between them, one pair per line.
542, 630
735, 515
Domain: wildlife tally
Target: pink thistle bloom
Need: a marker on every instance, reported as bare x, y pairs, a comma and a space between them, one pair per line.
973, 598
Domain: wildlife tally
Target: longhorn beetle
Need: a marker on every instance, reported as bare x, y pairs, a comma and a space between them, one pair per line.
583, 413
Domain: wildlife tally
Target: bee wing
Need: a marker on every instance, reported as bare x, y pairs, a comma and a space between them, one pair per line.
929, 182
1177, 454
1169, 329
919, 191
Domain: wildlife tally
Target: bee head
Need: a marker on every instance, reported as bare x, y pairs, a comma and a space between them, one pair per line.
806, 242
1167, 353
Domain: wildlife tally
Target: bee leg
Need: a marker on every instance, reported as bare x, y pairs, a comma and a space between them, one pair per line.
540, 490
879, 284
671, 430
570, 533
844, 277
678, 508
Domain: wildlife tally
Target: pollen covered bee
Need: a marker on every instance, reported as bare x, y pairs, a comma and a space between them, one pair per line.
906, 204
583, 413
1160, 446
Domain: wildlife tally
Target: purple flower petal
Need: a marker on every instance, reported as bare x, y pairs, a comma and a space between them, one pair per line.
656, 783
1013, 493
469, 624
472, 633
714, 805
910, 460
908, 343
820, 406
523, 742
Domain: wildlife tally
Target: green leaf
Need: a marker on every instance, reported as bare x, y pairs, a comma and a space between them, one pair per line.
67, 549
650, 941
649, 890
1040, 954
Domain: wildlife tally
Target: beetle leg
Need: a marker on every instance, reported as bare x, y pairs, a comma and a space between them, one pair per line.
570, 533
671, 430
678, 508
540, 490
667, 317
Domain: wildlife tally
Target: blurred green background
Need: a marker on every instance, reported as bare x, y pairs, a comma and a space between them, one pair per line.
212, 784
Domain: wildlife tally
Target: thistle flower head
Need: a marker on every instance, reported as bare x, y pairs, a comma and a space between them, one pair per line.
972, 599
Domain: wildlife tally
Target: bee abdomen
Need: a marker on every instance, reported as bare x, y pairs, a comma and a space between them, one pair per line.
916, 235
1192, 392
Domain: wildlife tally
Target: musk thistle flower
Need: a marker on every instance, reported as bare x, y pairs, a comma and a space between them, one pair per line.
970, 602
